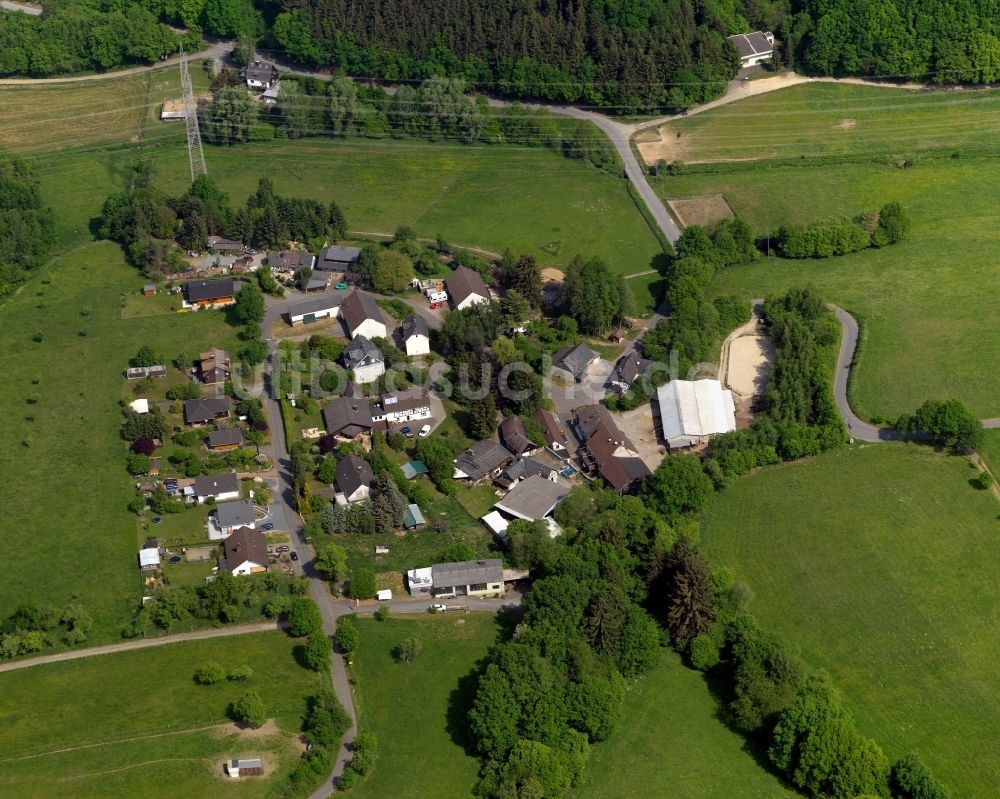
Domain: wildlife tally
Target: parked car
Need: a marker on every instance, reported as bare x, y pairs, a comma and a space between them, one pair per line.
341, 286
283, 548
424, 431
266, 527
406, 431
294, 556
436, 608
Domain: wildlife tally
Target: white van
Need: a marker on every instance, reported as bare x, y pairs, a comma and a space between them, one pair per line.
384, 595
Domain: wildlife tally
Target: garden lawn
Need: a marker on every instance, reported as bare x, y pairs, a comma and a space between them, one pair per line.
880, 562
929, 301
417, 710
67, 533
823, 119
136, 724
672, 743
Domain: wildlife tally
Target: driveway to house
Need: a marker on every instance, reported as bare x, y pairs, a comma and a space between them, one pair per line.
140, 643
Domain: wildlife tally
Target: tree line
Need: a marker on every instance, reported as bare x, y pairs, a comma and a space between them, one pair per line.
436, 109
25, 222
881, 228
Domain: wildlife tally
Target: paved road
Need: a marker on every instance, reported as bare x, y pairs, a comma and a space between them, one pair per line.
140, 643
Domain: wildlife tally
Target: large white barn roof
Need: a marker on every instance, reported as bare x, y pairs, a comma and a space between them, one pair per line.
694, 408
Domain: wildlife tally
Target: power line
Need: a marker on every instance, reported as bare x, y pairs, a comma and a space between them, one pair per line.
196, 156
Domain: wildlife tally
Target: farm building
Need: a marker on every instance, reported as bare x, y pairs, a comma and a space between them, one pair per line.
692, 411
244, 767
362, 316
413, 519
325, 307
411, 405
755, 48
336, 258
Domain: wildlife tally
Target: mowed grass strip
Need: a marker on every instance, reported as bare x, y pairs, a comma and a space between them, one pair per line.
417, 710
672, 743
880, 562
67, 534
136, 724
929, 301
825, 119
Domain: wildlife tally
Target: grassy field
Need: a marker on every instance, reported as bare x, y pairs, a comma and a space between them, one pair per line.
417, 710
928, 300
990, 450
67, 533
880, 562
673, 744
136, 724
841, 120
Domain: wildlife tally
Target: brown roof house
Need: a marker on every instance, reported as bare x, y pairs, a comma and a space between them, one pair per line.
348, 416
209, 293
607, 451
362, 316
465, 288
245, 552
554, 435
515, 437
227, 439
205, 409
214, 367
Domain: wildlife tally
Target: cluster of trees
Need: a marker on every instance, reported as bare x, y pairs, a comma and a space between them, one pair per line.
150, 224
797, 716
594, 297
951, 41
558, 684
695, 324
77, 37
226, 599
626, 56
323, 727
25, 223
799, 415
362, 760
34, 625
211, 672
949, 423
873, 229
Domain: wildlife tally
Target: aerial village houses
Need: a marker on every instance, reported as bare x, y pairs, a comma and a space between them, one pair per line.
415, 335
533, 499
607, 451
224, 440
244, 552
410, 405
575, 361
521, 469
219, 487
754, 48
484, 459
627, 371
364, 359
465, 287
214, 367
290, 261
199, 294
479, 578
353, 480
260, 75
203, 410
692, 411
362, 316
220, 244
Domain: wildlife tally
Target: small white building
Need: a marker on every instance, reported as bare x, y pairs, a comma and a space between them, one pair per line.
415, 335
326, 306
140, 405
466, 288
692, 411
149, 559
245, 552
219, 487
229, 516
364, 359
755, 48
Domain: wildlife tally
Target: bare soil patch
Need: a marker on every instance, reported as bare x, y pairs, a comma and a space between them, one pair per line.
268, 729
640, 427
705, 211
847, 124
750, 359
661, 144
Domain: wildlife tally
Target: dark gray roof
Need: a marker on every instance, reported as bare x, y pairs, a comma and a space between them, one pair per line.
406, 400
336, 258
201, 290
463, 283
204, 409
521, 469
413, 326
467, 572
289, 259
316, 283
575, 360
515, 437
260, 70
226, 437
630, 368
482, 458
751, 44
331, 299
533, 498
359, 306
348, 416
215, 484
361, 352
234, 514
352, 473
223, 244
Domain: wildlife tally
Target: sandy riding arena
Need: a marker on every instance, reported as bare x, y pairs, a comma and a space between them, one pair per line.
705, 211
749, 364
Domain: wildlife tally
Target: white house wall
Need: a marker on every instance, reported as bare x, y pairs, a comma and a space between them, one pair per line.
418, 345
369, 329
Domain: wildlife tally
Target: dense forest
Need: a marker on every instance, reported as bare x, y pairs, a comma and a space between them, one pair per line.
625, 55
25, 224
